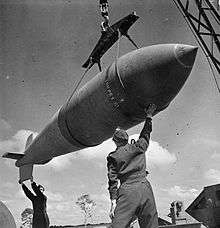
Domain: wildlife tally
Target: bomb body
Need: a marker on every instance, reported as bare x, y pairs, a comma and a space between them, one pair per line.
115, 97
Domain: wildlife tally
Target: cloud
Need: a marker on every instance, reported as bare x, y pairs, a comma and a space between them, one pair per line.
20, 194
61, 162
182, 193
8, 185
60, 213
213, 175
17, 142
55, 197
97, 153
4, 126
213, 143
156, 155
64, 206
215, 156
159, 156
9, 193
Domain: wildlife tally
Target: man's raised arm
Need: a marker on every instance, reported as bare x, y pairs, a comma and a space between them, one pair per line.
144, 138
27, 192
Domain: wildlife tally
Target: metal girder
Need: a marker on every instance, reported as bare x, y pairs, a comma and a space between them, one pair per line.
201, 15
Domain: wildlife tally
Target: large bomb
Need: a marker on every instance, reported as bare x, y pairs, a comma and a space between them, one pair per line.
115, 97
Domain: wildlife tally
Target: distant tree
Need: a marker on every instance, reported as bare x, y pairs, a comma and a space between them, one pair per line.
86, 205
27, 217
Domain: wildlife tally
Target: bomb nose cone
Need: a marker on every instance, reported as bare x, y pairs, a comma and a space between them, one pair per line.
185, 54
155, 74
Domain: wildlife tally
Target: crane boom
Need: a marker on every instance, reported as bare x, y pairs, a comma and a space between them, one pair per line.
204, 19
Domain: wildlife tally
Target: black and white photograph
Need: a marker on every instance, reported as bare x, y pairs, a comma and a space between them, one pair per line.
109, 113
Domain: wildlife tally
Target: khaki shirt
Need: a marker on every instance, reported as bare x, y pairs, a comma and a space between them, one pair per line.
128, 163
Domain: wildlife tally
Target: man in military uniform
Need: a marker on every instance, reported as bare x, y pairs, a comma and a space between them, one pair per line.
127, 164
40, 217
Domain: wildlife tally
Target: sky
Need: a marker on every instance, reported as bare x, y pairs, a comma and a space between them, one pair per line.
43, 45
